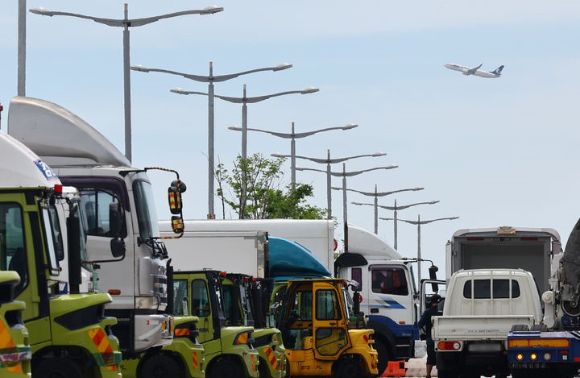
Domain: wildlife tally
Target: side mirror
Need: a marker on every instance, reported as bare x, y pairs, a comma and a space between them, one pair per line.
174, 196
116, 219
117, 247
433, 276
177, 224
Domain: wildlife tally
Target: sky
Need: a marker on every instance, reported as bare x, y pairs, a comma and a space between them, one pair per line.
495, 152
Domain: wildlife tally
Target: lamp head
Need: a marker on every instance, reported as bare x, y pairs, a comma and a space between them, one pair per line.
309, 90
282, 66
377, 154
350, 126
42, 11
178, 90
140, 68
212, 9
236, 128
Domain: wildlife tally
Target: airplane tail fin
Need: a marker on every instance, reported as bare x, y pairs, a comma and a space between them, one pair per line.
497, 71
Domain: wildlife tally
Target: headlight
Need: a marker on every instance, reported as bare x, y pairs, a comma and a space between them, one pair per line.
146, 302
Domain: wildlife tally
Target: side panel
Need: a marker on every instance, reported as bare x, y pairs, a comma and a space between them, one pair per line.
236, 252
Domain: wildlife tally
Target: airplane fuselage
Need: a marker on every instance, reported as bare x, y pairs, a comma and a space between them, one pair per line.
470, 71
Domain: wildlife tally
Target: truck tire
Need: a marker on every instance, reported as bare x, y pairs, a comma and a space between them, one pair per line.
349, 368
447, 374
160, 366
384, 355
57, 368
224, 368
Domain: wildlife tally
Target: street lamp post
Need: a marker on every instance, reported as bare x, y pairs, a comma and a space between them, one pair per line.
329, 161
125, 23
376, 202
211, 79
245, 101
395, 208
293, 136
344, 174
418, 223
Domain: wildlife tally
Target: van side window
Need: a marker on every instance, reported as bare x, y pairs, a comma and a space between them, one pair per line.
96, 207
389, 280
483, 289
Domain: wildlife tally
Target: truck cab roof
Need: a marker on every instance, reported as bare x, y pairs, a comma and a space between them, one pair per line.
58, 136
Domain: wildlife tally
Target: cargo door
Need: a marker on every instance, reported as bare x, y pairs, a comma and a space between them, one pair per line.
330, 335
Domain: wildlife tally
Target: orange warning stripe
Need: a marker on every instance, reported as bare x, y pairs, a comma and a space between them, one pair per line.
271, 357
101, 341
182, 332
6, 340
194, 359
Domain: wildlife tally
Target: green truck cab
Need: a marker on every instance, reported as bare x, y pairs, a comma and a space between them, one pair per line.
244, 304
68, 333
228, 349
15, 352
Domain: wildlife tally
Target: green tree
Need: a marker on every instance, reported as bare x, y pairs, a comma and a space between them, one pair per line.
264, 196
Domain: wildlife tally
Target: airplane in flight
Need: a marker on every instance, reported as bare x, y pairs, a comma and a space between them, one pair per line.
475, 71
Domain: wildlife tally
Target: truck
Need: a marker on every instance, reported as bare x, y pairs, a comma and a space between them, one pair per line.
390, 298
68, 333
85, 159
481, 307
531, 249
553, 347
316, 235
246, 298
228, 348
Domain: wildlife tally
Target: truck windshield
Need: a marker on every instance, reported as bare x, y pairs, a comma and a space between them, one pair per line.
12, 252
80, 216
146, 215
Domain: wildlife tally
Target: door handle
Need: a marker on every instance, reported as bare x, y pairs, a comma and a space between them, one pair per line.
374, 310
332, 323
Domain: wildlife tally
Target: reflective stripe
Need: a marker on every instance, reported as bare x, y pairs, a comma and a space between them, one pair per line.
271, 357
101, 341
6, 341
194, 359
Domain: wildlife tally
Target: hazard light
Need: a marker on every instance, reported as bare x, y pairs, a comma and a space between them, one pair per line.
58, 188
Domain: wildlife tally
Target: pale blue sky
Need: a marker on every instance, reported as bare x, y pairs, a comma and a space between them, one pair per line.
493, 151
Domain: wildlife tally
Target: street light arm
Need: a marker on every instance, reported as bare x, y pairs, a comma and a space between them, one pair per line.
354, 173
308, 169
394, 208
207, 79
382, 194
107, 21
148, 20
184, 92
221, 78
308, 133
140, 68
423, 221
252, 100
281, 135
362, 204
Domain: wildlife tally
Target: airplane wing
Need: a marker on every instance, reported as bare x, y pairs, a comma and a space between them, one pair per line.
473, 70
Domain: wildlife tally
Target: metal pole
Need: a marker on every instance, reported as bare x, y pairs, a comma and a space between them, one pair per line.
395, 222
210, 147
344, 212
293, 158
21, 48
329, 186
244, 127
376, 211
127, 85
419, 248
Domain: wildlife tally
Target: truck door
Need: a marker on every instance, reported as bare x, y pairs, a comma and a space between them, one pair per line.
330, 335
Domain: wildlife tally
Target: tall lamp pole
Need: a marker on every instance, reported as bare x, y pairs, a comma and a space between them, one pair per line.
395, 208
293, 136
328, 172
418, 223
126, 23
211, 79
344, 174
376, 202
245, 101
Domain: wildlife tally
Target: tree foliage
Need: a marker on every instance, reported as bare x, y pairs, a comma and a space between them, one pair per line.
265, 195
